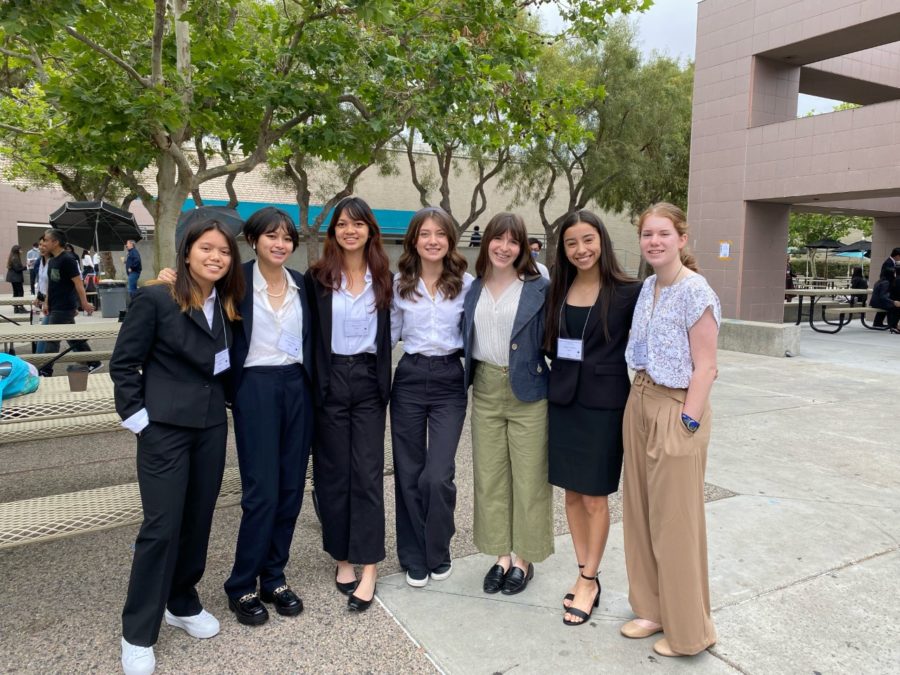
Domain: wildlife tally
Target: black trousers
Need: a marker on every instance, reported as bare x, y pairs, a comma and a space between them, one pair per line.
33, 275
273, 425
428, 408
179, 472
348, 462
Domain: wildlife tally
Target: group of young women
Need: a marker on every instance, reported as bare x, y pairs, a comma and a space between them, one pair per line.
291, 354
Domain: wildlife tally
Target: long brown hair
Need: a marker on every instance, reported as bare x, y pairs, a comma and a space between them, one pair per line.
327, 269
14, 255
679, 220
450, 283
229, 289
497, 226
611, 276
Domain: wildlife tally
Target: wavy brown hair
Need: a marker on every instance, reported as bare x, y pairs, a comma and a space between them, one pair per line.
327, 269
497, 226
679, 220
450, 283
611, 276
229, 289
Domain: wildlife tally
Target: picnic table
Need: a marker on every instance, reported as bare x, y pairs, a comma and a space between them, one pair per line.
10, 334
843, 312
21, 301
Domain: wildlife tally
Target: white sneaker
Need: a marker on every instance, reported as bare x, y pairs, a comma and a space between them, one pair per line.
203, 625
137, 660
442, 572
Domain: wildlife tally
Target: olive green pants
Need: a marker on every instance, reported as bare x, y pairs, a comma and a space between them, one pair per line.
513, 498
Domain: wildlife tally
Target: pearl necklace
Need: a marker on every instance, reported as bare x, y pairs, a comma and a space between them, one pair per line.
277, 295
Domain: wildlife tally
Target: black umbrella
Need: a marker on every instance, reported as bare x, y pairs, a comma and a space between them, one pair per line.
224, 215
826, 244
860, 246
95, 224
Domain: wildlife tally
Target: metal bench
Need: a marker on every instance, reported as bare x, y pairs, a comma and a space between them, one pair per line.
845, 314
40, 359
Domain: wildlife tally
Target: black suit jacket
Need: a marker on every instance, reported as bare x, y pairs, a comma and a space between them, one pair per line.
164, 359
600, 380
320, 305
244, 328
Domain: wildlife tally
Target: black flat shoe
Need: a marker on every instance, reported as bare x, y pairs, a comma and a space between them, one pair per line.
517, 580
345, 587
355, 604
577, 613
249, 610
494, 579
286, 602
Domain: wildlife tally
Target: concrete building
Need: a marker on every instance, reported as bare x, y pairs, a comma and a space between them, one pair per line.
753, 160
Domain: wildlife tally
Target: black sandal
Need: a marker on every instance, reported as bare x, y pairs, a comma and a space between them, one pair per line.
584, 616
570, 596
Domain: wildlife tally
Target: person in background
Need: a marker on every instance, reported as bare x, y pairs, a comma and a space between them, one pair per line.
892, 261
475, 237
96, 259
885, 297
70, 250
41, 287
666, 430
788, 279
132, 267
536, 246
31, 262
87, 262
15, 275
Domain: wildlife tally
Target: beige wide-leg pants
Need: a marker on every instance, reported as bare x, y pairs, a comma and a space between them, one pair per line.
664, 519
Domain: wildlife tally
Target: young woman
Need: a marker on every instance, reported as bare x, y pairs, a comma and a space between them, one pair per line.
672, 348
428, 398
15, 275
168, 367
272, 404
588, 316
503, 329
350, 295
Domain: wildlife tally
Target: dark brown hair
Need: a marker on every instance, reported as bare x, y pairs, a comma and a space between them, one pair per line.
450, 283
229, 289
679, 220
497, 226
327, 269
14, 256
611, 276
269, 219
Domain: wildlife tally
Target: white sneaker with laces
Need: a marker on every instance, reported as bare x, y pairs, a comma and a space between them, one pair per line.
203, 625
137, 660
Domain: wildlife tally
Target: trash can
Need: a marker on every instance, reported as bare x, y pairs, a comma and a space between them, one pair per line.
113, 296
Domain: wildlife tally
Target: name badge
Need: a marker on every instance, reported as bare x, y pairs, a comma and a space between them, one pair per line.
356, 327
290, 344
570, 350
640, 354
223, 362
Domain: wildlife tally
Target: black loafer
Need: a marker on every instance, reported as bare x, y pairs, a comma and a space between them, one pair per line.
345, 587
494, 579
355, 604
248, 609
517, 580
287, 603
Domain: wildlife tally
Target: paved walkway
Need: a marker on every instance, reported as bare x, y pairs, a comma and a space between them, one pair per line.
804, 535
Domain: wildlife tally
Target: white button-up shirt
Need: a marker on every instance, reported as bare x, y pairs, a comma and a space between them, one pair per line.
349, 314
494, 321
269, 324
428, 325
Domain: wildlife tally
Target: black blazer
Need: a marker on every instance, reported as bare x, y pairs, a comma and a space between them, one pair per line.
320, 305
244, 328
600, 380
164, 359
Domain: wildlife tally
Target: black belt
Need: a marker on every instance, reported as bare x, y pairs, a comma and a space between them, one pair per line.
446, 358
341, 359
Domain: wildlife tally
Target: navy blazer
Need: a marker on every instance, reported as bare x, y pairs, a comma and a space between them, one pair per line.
244, 329
320, 305
527, 368
164, 360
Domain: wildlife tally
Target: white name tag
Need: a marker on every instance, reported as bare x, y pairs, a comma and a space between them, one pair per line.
570, 350
640, 354
356, 327
223, 362
290, 344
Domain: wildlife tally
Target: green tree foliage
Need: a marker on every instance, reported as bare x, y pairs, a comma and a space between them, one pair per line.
808, 228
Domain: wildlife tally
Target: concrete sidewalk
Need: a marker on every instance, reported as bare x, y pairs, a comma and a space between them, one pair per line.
804, 536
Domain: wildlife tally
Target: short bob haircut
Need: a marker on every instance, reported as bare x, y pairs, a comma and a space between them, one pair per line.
229, 289
269, 219
450, 283
497, 226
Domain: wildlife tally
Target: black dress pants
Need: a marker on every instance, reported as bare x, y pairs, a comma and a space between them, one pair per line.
428, 408
179, 473
273, 428
348, 462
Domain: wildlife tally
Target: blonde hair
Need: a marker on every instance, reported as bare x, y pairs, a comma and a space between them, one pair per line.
679, 220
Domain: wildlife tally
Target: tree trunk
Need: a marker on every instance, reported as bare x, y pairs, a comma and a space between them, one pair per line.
312, 247
108, 265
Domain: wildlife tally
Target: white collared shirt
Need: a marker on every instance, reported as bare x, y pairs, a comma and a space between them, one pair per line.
494, 321
209, 308
428, 325
269, 324
354, 320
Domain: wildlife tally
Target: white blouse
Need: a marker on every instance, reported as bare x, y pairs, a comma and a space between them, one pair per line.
354, 320
659, 335
494, 321
269, 324
428, 325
